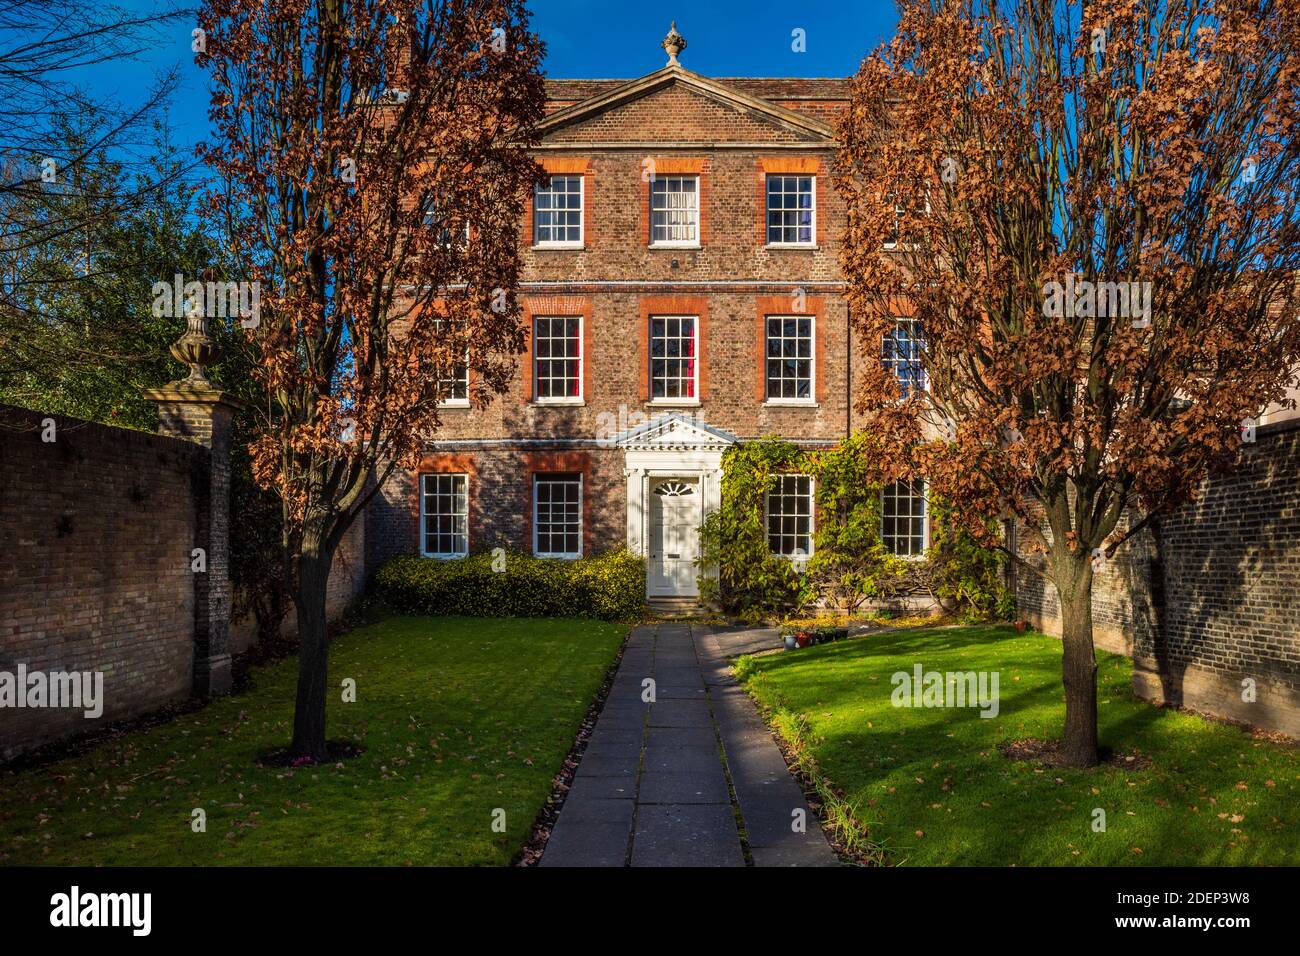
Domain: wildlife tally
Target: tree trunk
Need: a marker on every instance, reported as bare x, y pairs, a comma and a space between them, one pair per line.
1078, 663
313, 658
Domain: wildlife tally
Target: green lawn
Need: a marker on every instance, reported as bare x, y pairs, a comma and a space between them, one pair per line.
1214, 794
457, 716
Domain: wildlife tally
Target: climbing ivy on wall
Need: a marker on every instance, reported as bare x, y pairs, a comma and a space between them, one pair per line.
850, 565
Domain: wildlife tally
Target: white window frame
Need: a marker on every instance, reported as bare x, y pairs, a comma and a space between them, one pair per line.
778, 401
432, 210
812, 515
453, 402
424, 537
650, 359
894, 364
581, 397
675, 243
898, 217
457, 402
582, 216
539, 477
925, 522
767, 211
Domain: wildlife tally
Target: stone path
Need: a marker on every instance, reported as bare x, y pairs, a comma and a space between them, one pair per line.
653, 787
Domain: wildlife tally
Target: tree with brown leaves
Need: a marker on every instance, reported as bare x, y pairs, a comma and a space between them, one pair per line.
373, 165
1084, 216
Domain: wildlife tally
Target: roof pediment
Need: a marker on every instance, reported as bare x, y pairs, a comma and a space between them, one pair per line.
674, 432
801, 125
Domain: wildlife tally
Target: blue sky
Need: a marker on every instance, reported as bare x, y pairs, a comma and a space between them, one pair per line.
596, 38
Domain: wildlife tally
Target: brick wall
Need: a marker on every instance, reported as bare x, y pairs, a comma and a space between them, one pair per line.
1208, 597
95, 566
616, 359
96, 533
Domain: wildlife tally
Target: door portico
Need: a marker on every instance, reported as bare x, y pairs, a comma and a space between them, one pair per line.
673, 466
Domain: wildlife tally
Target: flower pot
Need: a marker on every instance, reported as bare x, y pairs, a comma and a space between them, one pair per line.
790, 642
1021, 626
803, 638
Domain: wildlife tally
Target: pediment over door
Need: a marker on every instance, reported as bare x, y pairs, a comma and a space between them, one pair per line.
675, 432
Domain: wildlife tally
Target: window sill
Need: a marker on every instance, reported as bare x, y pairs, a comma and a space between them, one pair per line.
444, 557
675, 246
557, 402
558, 246
558, 557
790, 403
463, 403
793, 246
674, 402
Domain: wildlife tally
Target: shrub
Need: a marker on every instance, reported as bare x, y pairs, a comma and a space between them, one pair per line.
610, 586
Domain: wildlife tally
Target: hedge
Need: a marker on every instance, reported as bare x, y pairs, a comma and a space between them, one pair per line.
609, 586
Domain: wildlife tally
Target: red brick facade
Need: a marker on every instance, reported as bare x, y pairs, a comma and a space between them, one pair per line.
730, 134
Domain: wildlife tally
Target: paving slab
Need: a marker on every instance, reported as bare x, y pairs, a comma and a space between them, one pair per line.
586, 844
677, 787
693, 759
686, 835
594, 786
680, 713
682, 737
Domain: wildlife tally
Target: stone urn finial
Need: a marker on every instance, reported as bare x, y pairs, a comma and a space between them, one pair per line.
674, 43
196, 348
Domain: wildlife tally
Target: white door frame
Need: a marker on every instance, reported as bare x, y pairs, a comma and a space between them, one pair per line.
670, 447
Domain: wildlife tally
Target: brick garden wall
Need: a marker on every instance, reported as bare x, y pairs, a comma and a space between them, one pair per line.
96, 532
1210, 597
95, 566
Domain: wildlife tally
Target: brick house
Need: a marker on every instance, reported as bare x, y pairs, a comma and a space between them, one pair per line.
682, 292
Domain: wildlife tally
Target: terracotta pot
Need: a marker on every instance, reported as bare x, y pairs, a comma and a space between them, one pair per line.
1022, 626
803, 638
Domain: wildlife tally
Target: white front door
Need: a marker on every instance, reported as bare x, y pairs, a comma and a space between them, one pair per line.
675, 515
